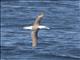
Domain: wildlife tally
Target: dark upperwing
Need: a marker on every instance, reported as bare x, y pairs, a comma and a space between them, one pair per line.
38, 19
34, 38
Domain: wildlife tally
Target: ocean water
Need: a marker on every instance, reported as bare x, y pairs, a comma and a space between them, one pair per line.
61, 42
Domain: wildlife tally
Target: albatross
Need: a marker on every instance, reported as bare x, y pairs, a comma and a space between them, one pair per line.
35, 28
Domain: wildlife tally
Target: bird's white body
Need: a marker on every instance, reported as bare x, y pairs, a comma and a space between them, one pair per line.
40, 27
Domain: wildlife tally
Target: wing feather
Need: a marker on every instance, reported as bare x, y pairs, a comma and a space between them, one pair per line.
34, 38
38, 19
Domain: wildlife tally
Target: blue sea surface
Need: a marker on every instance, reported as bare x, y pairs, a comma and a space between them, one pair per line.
60, 42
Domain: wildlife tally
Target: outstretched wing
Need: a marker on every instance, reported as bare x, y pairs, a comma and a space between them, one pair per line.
34, 38
38, 19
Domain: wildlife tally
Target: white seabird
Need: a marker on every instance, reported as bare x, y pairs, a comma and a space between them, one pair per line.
35, 28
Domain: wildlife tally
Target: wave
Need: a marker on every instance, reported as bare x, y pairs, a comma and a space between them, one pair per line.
14, 25
47, 55
8, 0
21, 49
